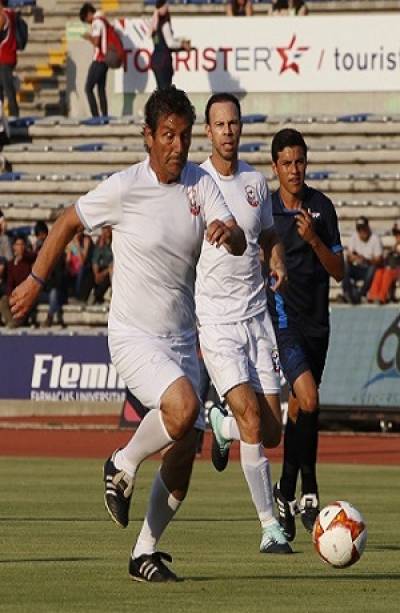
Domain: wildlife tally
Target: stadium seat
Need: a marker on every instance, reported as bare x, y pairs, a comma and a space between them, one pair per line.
88, 147
18, 4
22, 122
254, 118
318, 175
11, 176
250, 147
97, 121
354, 118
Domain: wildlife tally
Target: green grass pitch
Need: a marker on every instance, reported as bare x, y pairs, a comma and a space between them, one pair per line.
59, 551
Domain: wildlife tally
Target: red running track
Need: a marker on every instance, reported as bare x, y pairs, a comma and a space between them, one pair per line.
72, 437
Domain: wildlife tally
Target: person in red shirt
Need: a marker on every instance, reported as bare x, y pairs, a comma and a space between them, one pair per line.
18, 269
8, 57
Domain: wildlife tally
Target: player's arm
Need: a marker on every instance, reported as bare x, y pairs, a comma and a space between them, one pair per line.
332, 262
25, 295
274, 257
228, 234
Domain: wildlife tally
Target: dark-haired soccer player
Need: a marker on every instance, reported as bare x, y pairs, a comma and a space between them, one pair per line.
234, 326
159, 211
306, 222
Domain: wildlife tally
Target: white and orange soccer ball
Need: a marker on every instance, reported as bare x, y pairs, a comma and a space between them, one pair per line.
340, 534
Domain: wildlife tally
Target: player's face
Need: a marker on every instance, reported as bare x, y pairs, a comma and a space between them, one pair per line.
290, 169
224, 130
169, 146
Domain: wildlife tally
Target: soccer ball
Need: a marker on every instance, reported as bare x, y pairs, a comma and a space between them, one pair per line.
339, 534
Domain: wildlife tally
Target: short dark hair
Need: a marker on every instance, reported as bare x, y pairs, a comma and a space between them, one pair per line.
221, 97
168, 101
86, 9
4, 3
288, 137
40, 227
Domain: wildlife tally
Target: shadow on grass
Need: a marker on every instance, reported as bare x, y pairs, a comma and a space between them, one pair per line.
324, 577
46, 560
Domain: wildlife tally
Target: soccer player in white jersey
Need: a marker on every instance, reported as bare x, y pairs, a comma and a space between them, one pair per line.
235, 330
159, 210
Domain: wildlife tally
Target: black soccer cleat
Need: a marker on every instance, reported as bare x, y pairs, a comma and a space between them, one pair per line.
118, 492
151, 568
220, 445
309, 510
287, 510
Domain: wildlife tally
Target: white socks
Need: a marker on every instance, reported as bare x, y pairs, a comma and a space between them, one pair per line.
229, 428
162, 508
256, 469
151, 436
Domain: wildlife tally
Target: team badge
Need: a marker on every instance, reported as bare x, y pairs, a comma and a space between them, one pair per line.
251, 196
194, 207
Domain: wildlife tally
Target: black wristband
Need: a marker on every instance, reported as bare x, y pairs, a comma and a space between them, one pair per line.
38, 279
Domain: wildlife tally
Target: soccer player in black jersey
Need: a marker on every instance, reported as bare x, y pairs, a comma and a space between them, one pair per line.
306, 223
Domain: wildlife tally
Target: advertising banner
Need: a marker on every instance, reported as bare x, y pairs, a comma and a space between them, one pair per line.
67, 368
363, 365
339, 53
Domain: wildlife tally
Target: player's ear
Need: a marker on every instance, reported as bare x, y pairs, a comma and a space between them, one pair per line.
148, 137
208, 132
274, 169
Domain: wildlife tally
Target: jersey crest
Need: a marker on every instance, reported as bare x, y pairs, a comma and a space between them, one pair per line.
251, 196
194, 207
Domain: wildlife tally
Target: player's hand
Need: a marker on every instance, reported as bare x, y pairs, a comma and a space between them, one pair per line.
24, 297
278, 279
305, 226
218, 233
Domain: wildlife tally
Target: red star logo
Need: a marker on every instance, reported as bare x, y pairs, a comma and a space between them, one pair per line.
289, 54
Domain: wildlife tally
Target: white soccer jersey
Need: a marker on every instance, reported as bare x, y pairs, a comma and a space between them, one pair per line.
158, 230
231, 289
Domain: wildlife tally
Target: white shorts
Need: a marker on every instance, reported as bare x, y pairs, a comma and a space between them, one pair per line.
243, 352
149, 364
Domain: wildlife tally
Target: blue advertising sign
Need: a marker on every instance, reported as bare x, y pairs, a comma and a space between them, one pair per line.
363, 363
58, 367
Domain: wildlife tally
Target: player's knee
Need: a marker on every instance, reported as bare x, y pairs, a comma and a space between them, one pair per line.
309, 404
272, 438
180, 421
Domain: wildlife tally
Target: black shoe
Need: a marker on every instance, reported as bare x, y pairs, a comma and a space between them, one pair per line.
118, 492
309, 510
287, 510
151, 568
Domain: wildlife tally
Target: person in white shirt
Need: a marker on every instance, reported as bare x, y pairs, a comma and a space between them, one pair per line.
364, 255
235, 330
97, 73
159, 210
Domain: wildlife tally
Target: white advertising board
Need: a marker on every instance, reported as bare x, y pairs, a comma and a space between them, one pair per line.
358, 53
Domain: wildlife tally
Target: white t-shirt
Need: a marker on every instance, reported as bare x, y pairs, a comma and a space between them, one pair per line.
158, 230
229, 288
372, 248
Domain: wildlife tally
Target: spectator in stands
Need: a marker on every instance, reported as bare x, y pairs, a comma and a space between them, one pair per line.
97, 73
384, 281
364, 255
5, 244
8, 57
18, 268
54, 290
289, 7
164, 43
3, 276
79, 271
102, 264
239, 8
